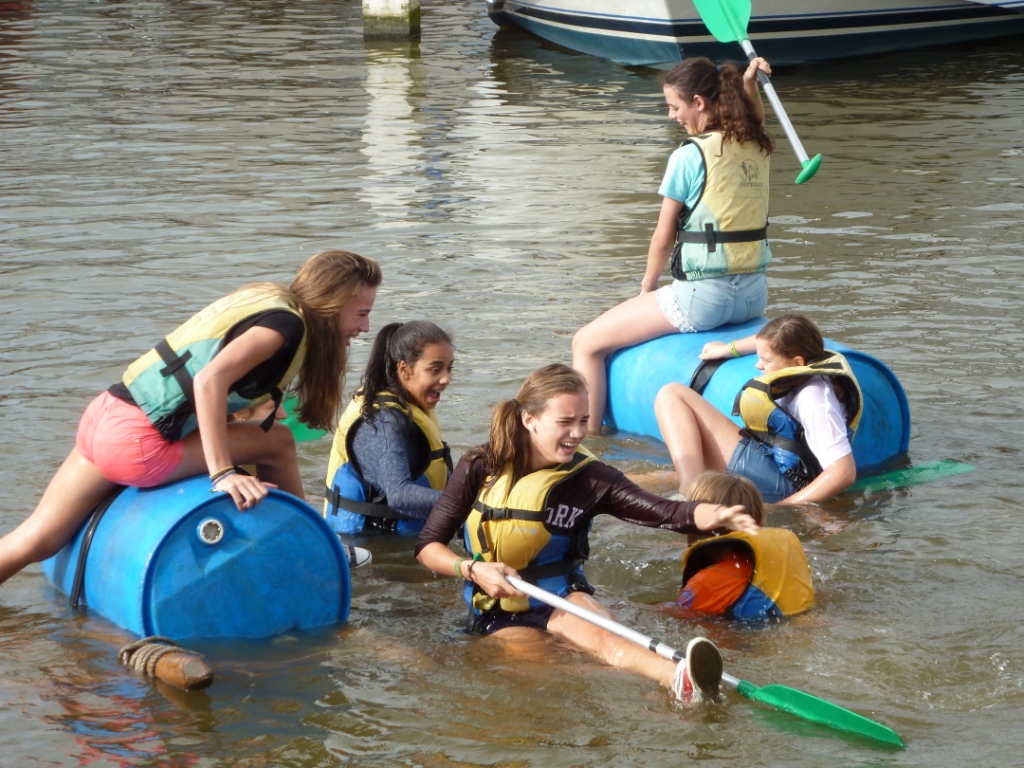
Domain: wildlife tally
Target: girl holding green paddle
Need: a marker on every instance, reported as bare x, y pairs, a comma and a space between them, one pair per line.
713, 221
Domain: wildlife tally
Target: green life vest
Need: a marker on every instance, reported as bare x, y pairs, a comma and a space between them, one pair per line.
726, 232
161, 381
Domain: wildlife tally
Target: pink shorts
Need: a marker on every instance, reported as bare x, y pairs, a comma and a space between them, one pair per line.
118, 438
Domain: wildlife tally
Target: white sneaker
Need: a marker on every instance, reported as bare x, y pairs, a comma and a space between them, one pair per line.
698, 676
357, 556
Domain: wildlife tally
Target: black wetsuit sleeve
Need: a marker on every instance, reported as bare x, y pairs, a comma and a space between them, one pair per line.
610, 492
456, 502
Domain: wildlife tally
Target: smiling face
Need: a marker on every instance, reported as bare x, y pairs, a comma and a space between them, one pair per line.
355, 317
556, 432
427, 378
769, 361
691, 114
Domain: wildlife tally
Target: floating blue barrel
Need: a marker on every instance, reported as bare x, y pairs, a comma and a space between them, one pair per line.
182, 562
635, 375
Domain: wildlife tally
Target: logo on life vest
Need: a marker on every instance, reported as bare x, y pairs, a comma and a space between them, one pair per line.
751, 173
563, 516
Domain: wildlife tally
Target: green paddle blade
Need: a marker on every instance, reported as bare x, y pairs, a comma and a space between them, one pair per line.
817, 710
901, 478
810, 167
725, 19
301, 431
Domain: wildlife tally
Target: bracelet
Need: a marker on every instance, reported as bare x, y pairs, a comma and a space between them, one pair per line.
458, 567
469, 571
732, 348
223, 472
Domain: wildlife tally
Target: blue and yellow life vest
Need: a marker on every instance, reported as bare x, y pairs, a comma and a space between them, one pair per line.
767, 422
726, 233
161, 381
780, 584
349, 499
513, 524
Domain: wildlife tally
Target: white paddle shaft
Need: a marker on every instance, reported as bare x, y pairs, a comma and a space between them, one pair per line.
604, 622
780, 112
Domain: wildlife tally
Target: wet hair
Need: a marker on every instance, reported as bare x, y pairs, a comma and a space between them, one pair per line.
509, 442
326, 284
732, 111
723, 488
793, 336
396, 342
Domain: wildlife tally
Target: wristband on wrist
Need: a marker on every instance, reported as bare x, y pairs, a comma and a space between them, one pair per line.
732, 348
469, 571
222, 472
458, 567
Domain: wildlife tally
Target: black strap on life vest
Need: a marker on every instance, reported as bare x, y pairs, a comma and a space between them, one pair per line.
277, 396
712, 237
78, 583
176, 368
373, 508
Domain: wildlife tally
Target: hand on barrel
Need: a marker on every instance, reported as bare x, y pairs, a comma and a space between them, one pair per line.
246, 491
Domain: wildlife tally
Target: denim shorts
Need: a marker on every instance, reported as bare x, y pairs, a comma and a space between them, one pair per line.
702, 305
754, 461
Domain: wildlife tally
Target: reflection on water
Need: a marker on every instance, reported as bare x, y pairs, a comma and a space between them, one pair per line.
157, 154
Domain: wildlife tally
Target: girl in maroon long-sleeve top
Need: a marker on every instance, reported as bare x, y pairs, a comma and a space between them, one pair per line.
527, 499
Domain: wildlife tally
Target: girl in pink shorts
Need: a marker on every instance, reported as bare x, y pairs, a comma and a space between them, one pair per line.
167, 418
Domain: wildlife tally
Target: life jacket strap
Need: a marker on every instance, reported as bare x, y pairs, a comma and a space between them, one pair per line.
367, 508
712, 237
176, 368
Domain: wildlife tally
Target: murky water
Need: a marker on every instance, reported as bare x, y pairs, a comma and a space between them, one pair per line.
154, 155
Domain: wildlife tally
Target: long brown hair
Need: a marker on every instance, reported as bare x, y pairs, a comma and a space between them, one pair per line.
509, 442
732, 110
730, 490
323, 287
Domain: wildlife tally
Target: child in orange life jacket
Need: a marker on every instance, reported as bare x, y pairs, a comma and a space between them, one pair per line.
736, 575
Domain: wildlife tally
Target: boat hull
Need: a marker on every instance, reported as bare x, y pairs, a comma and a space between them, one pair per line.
653, 32
181, 562
637, 373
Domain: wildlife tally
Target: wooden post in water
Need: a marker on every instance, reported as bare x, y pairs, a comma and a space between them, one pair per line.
391, 19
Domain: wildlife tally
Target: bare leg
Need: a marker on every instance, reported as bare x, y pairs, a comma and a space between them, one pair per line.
76, 489
699, 436
631, 322
272, 452
612, 649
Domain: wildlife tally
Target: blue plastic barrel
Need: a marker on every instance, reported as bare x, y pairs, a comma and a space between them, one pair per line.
635, 375
182, 562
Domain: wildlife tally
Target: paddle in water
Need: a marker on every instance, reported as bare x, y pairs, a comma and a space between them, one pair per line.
727, 20
901, 478
790, 700
301, 431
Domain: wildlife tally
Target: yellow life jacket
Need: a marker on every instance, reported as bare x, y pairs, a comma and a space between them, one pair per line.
726, 233
513, 524
767, 422
348, 500
781, 583
161, 381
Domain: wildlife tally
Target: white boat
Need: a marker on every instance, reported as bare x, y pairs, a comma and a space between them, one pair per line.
652, 32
